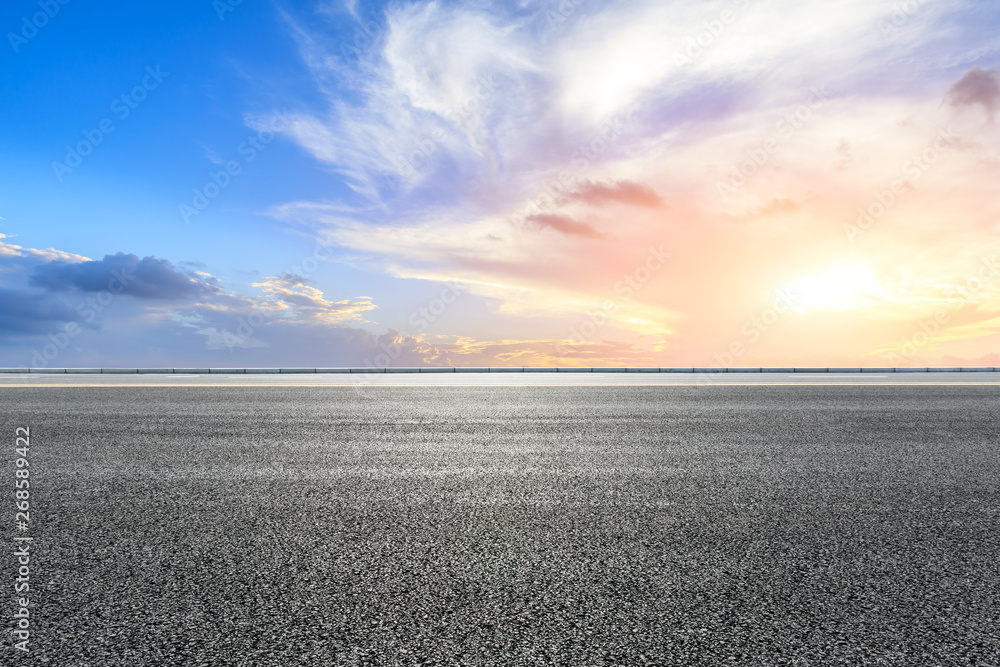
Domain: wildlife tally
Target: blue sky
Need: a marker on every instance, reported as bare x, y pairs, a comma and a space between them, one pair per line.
332, 170
215, 69
67, 79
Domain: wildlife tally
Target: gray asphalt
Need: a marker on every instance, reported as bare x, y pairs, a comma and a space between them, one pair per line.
510, 524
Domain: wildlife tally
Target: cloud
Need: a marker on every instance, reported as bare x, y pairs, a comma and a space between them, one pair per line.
176, 315
306, 303
533, 162
126, 274
466, 351
598, 120
777, 206
564, 225
24, 313
622, 192
977, 86
46, 254
420, 98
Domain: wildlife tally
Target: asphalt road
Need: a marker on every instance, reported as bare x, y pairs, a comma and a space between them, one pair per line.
508, 524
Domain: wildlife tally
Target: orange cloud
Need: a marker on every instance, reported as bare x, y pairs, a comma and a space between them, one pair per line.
564, 225
847, 185
622, 192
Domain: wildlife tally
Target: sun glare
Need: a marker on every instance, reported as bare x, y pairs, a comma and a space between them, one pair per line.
847, 285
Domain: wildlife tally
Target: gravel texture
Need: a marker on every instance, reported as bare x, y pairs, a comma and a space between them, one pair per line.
510, 525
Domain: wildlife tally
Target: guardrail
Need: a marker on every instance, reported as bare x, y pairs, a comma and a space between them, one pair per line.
498, 369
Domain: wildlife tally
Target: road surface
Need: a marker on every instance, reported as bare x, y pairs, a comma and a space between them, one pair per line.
509, 520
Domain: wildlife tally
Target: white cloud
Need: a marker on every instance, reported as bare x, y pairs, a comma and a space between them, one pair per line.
694, 88
45, 254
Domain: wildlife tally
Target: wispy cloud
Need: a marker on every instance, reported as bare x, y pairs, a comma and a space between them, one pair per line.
564, 225
540, 153
623, 192
481, 137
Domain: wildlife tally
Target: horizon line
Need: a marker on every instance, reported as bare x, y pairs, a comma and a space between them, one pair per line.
500, 369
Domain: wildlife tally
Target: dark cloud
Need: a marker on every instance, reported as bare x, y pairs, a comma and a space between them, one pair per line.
565, 225
977, 86
25, 313
146, 278
622, 192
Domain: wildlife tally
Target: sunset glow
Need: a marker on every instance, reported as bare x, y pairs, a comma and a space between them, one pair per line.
483, 184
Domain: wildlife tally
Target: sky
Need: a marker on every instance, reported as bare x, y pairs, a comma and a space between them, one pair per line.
229, 183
